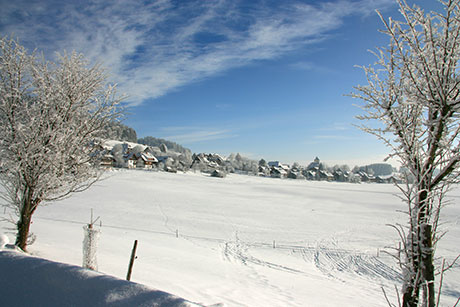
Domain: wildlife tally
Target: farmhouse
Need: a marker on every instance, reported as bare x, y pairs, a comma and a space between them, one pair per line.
145, 160
341, 176
278, 172
315, 164
387, 179
129, 160
295, 174
107, 161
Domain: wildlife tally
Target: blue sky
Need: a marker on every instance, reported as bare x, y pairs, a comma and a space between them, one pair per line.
265, 78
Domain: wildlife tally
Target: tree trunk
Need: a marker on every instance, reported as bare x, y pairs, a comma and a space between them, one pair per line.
425, 249
411, 289
409, 299
24, 225
410, 293
427, 264
422, 258
25, 218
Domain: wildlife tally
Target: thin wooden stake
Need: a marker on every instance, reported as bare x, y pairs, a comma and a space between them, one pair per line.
131, 261
177, 233
274, 244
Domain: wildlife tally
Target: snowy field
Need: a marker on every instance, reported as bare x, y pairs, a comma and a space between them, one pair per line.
241, 240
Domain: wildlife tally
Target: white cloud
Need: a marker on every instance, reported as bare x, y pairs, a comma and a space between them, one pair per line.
337, 127
189, 135
333, 137
310, 66
154, 49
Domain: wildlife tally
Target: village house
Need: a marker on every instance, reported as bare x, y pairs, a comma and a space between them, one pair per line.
145, 160
387, 179
315, 164
324, 176
277, 164
309, 174
365, 177
216, 158
278, 172
263, 170
341, 176
295, 174
199, 159
107, 161
129, 160
207, 161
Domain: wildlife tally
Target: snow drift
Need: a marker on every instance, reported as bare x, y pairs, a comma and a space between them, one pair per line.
32, 281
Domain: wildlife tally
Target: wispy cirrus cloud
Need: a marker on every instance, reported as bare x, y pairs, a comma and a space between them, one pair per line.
337, 127
333, 137
189, 135
152, 49
313, 67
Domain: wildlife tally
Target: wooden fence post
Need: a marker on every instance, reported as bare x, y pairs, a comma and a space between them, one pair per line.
131, 261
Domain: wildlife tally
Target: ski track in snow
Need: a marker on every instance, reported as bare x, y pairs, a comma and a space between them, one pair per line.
236, 251
334, 261
239, 251
331, 262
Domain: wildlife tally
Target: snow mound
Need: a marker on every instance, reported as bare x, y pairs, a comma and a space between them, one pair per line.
32, 281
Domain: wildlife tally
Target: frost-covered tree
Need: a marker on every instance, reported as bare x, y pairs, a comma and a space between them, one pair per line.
413, 94
118, 131
50, 117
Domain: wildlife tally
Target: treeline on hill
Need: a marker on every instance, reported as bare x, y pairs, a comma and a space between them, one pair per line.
378, 169
152, 141
119, 132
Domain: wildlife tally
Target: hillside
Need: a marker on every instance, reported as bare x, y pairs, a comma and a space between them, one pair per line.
152, 141
118, 131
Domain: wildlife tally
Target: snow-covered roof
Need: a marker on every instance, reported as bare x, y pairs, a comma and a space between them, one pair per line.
280, 170
109, 144
147, 157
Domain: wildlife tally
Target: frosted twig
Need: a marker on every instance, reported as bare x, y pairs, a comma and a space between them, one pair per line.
386, 298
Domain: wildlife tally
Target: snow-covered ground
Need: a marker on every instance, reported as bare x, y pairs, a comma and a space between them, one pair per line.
242, 240
33, 281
